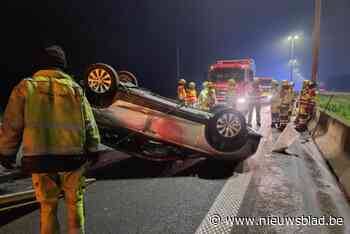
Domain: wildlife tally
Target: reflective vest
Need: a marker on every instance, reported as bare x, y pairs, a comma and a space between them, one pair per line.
191, 96
51, 116
202, 99
181, 93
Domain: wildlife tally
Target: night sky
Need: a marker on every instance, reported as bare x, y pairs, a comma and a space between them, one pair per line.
141, 36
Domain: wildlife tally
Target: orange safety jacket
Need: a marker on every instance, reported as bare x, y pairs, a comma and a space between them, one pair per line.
191, 96
181, 93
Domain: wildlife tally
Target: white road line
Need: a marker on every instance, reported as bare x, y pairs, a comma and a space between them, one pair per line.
226, 204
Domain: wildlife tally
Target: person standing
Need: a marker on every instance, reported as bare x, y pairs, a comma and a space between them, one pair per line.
191, 94
202, 97
211, 99
303, 107
181, 91
50, 116
285, 96
255, 103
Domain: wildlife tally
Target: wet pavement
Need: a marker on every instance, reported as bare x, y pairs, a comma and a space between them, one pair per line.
137, 196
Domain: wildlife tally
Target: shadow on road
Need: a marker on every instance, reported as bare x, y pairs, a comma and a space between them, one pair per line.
135, 168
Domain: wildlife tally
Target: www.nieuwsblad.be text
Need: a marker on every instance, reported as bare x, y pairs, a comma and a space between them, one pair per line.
276, 221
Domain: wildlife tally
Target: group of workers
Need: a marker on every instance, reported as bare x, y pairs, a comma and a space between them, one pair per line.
188, 95
285, 103
284, 100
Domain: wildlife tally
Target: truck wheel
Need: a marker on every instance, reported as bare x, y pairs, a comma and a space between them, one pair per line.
227, 131
125, 76
101, 84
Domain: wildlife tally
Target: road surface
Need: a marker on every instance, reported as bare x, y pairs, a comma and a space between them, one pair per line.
136, 196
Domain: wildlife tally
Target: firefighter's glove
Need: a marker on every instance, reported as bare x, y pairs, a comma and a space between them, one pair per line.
8, 162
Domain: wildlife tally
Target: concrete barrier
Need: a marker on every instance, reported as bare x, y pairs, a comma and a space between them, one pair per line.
332, 136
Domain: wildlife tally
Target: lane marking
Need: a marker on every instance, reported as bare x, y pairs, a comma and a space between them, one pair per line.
226, 204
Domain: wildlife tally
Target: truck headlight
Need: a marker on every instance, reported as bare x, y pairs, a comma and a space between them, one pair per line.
241, 100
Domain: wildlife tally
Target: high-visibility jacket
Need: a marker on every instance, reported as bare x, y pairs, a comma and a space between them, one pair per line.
181, 93
202, 99
191, 96
50, 115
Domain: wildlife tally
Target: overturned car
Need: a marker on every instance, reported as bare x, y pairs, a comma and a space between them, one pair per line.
143, 124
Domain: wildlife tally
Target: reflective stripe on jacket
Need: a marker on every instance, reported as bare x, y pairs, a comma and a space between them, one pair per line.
191, 96
50, 115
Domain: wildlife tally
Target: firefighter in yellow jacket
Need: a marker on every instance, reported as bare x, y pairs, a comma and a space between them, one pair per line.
49, 115
202, 97
211, 98
181, 91
303, 107
285, 97
191, 94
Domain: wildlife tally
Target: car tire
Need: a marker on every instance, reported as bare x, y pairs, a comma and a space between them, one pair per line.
126, 76
101, 84
226, 131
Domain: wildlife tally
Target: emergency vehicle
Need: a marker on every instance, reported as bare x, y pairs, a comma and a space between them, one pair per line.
242, 71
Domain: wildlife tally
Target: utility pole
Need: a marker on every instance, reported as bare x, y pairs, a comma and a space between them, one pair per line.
316, 40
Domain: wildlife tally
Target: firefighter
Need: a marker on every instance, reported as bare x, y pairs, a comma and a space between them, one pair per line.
50, 116
181, 91
303, 105
285, 97
255, 103
211, 98
231, 93
275, 104
312, 88
191, 94
201, 103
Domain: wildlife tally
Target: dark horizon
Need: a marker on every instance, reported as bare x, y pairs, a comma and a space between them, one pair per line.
142, 37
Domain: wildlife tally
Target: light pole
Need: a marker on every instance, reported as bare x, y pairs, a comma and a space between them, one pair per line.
316, 39
292, 61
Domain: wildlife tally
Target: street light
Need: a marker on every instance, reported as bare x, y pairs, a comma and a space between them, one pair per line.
292, 61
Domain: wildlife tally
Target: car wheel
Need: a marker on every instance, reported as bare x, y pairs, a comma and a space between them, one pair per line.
227, 131
101, 84
125, 76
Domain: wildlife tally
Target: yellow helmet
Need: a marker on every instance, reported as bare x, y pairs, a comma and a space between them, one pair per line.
205, 84
231, 82
182, 82
192, 85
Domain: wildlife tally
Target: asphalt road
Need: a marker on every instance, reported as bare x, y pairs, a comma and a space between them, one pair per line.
137, 196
